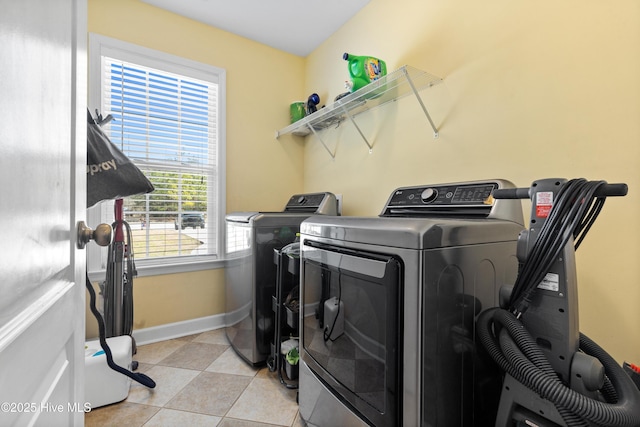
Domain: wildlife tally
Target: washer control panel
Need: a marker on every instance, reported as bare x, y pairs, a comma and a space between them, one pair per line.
457, 199
316, 203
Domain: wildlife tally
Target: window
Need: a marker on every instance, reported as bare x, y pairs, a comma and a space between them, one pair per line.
168, 119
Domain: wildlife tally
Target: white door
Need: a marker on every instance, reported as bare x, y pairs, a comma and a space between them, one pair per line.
42, 196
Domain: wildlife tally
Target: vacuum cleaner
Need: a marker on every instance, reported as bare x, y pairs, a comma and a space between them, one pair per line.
120, 179
553, 374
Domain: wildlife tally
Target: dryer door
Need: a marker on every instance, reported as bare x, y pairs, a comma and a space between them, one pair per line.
352, 323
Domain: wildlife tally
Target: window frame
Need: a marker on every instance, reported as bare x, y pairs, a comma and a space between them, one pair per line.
100, 46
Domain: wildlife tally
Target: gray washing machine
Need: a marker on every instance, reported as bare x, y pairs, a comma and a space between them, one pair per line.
389, 305
250, 272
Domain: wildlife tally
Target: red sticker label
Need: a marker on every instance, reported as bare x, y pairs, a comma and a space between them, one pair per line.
543, 211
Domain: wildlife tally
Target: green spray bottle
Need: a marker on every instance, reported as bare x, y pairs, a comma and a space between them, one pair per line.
364, 69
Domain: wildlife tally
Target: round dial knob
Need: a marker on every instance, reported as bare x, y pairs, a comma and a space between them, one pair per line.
429, 195
301, 199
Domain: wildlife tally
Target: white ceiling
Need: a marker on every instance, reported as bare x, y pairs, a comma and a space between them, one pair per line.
295, 26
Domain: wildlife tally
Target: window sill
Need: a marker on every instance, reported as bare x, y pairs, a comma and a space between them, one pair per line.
149, 268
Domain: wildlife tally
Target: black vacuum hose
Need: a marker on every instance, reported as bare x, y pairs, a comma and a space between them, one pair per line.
515, 351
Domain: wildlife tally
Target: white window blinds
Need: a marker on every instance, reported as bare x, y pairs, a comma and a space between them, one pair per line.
167, 124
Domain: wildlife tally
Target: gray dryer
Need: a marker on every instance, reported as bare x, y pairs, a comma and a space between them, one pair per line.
389, 305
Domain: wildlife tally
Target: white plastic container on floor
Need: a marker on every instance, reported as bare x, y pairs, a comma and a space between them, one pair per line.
103, 385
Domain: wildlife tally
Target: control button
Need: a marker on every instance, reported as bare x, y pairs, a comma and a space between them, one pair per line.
301, 200
429, 195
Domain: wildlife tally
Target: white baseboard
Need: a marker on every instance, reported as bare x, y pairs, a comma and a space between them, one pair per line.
178, 329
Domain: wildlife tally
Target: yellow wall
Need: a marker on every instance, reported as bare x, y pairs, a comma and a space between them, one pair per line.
531, 90
171, 298
262, 173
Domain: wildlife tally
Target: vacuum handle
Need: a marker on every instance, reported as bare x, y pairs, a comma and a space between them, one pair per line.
511, 193
606, 190
612, 190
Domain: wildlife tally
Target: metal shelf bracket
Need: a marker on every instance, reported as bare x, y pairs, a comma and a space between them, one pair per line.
333, 156
424, 109
364, 138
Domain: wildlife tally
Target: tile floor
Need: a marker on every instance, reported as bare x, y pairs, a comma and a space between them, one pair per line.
201, 381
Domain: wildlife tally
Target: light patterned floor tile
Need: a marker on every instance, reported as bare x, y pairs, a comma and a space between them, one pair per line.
230, 363
172, 418
210, 393
169, 382
201, 381
121, 414
217, 336
232, 422
154, 353
194, 355
267, 401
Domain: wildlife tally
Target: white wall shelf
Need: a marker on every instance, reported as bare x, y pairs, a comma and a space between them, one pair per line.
395, 85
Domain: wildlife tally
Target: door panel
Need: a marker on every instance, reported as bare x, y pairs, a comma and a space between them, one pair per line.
43, 152
41, 355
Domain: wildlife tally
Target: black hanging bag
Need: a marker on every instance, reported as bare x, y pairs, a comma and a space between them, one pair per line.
110, 174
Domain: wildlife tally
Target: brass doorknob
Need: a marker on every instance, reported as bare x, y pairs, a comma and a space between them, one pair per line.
101, 235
